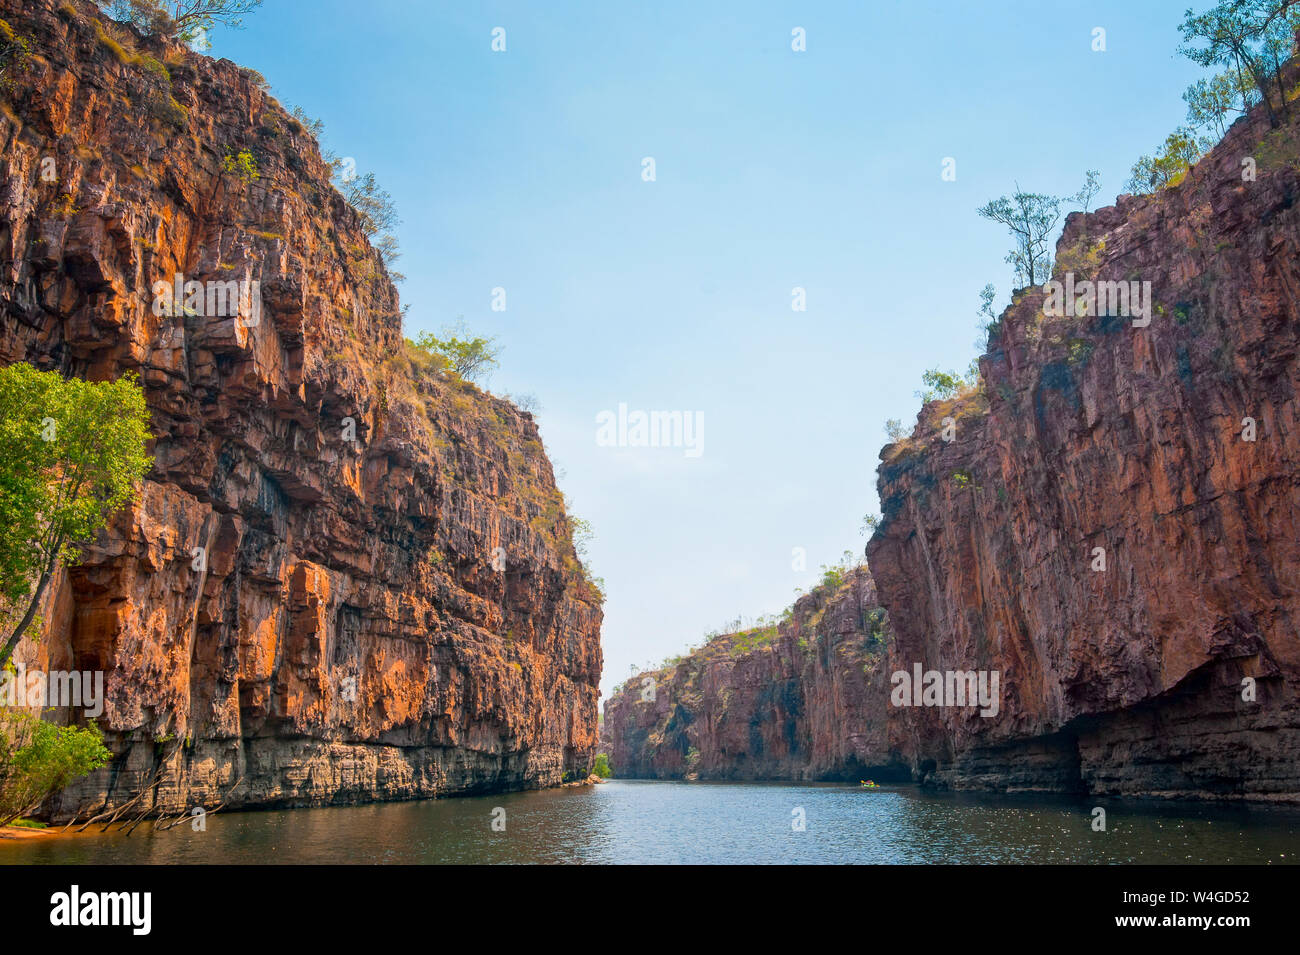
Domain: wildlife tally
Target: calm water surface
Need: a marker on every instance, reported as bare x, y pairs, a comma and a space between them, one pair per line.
628, 821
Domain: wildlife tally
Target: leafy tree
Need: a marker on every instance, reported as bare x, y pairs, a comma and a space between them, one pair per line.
988, 316
38, 758
72, 453
377, 211
470, 357
1251, 37
242, 165
940, 384
1167, 168
894, 429
184, 20
1030, 217
375, 206
601, 767
1088, 191
1211, 101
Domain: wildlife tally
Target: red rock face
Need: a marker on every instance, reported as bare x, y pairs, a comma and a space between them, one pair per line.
804, 700
1171, 672
348, 636
1091, 433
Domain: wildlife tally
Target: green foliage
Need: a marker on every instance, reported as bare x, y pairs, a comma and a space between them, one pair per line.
834, 575
38, 758
373, 205
1083, 258
964, 480
870, 522
1080, 349
376, 210
469, 357
242, 165
14, 53
185, 20
1169, 165
1210, 102
894, 429
601, 767
72, 454
1030, 218
876, 623
941, 384
1088, 191
1252, 38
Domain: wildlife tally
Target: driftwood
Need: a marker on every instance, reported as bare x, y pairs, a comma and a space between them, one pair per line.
164, 820
211, 812
114, 813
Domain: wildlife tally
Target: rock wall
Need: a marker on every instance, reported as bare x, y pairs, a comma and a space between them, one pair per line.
1173, 671
347, 636
1090, 434
803, 699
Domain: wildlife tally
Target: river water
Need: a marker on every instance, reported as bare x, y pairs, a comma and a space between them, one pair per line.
631, 821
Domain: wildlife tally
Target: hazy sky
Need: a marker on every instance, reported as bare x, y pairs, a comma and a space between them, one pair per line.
774, 169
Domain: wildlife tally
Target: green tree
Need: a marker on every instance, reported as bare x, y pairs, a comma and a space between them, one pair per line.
185, 20
1252, 38
940, 384
1211, 101
242, 165
1031, 218
988, 316
377, 211
470, 357
38, 758
1169, 165
1088, 191
601, 767
72, 453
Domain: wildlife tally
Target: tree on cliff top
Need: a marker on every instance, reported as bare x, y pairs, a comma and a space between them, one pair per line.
184, 20
469, 356
1251, 37
72, 453
1031, 218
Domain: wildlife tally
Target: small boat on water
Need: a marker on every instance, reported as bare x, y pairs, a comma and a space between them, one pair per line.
868, 784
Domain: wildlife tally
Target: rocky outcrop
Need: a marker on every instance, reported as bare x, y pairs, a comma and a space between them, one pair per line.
350, 575
1113, 527
802, 698
1111, 530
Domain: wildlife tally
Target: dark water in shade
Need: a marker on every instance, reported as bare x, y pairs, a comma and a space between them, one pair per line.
665, 822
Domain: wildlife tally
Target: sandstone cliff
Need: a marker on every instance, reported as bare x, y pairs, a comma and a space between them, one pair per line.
796, 700
1174, 671
348, 636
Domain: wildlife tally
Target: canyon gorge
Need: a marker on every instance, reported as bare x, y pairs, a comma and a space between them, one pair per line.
1107, 520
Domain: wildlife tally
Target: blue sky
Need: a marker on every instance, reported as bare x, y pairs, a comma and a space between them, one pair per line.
774, 169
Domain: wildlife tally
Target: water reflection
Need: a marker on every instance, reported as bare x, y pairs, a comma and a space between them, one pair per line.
628, 821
